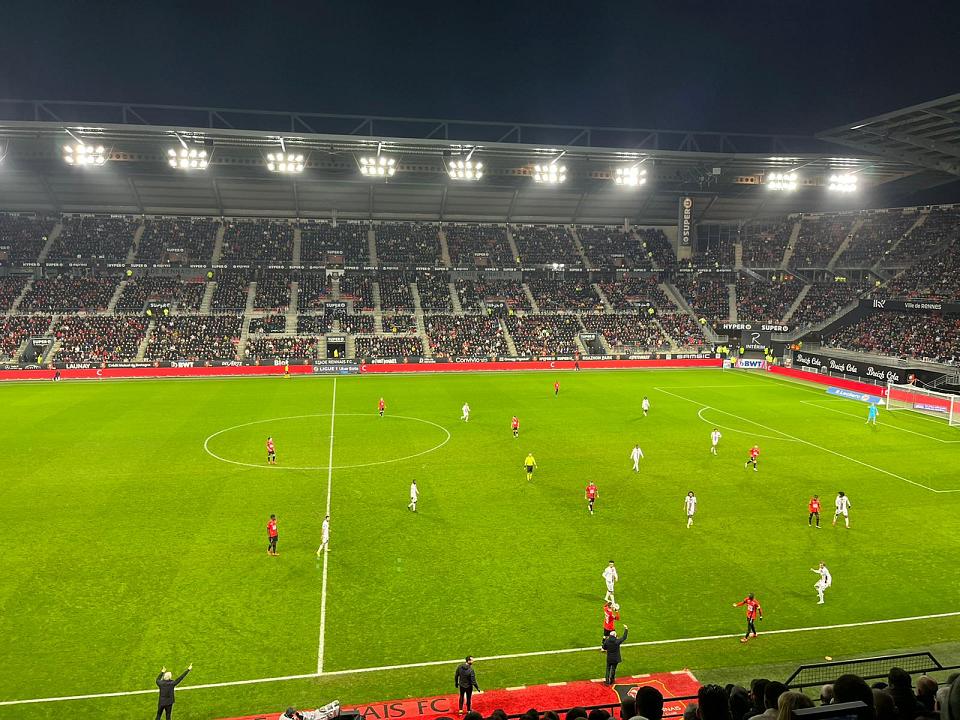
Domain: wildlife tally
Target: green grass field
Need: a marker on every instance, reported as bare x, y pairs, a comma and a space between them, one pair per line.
130, 546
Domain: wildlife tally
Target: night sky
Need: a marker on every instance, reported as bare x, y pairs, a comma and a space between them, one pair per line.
735, 66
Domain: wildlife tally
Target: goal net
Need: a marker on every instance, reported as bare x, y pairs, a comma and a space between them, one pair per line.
935, 404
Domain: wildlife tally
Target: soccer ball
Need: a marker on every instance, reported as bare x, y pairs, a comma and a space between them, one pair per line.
615, 606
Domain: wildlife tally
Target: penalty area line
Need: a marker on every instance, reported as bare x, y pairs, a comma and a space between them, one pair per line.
509, 656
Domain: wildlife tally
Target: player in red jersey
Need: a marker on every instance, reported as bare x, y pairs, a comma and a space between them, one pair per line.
754, 611
381, 406
272, 536
814, 507
515, 426
611, 613
556, 388
591, 495
271, 452
754, 454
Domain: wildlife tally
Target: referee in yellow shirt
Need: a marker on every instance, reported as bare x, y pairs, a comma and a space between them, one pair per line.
529, 464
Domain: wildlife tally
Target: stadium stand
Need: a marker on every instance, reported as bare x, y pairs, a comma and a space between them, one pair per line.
825, 299
268, 324
195, 337
281, 347
765, 241
506, 291
478, 246
393, 346
99, 338
178, 240
924, 337
555, 295
545, 245
183, 295
470, 298
875, 237
394, 291
627, 332
408, 244
707, 294
14, 329
434, 292
758, 300
63, 293
22, 237
231, 290
683, 330
611, 248
714, 247
544, 334
632, 292
314, 291
464, 335
10, 289
934, 278
940, 228
345, 244
357, 324
273, 291
358, 288
246, 241
94, 237
399, 323
819, 240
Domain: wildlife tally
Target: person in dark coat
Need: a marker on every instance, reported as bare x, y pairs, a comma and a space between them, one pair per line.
167, 684
611, 646
466, 681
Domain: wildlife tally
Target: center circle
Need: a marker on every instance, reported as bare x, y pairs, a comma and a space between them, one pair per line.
295, 436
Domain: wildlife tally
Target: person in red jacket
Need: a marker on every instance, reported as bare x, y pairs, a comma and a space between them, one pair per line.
814, 507
754, 611
515, 426
381, 406
556, 388
272, 535
611, 613
754, 454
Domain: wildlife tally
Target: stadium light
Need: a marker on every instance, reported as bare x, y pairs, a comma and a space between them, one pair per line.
630, 177
842, 183
465, 170
380, 166
285, 162
550, 174
82, 154
187, 158
782, 181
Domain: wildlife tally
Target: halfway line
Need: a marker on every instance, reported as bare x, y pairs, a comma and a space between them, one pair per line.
326, 548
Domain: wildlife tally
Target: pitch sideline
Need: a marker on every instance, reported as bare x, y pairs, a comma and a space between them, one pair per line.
508, 656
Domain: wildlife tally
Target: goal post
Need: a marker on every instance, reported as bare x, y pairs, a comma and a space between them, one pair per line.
928, 402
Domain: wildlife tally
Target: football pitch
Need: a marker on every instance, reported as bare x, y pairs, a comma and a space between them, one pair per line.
135, 515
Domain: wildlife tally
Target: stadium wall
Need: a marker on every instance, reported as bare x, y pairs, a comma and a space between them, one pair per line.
813, 377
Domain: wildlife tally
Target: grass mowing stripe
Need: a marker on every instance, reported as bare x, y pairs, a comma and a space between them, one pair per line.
326, 548
508, 656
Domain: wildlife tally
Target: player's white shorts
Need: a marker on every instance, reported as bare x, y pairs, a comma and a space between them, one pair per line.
609, 586
838, 513
690, 514
820, 585
325, 540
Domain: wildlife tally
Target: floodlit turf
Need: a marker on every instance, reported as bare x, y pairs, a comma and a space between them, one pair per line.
130, 546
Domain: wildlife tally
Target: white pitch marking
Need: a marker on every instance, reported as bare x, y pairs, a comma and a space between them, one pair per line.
813, 445
326, 548
206, 443
510, 656
886, 424
742, 432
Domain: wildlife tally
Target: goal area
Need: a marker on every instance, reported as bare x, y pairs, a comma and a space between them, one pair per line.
928, 402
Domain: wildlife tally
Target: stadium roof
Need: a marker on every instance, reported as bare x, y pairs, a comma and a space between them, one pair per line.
925, 135
726, 169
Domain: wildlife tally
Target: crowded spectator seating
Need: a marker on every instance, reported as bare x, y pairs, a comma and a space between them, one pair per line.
657, 246
268, 324
273, 291
631, 292
765, 241
683, 329
506, 291
923, 337
470, 298
69, 294
935, 278
545, 245
825, 299
314, 291
178, 240
281, 347
544, 334
627, 332
877, 235
335, 246
94, 237
182, 295
10, 289
14, 329
757, 300
819, 240
395, 291
707, 295
99, 338
408, 244
358, 324
399, 324
555, 295
434, 292
612, 248
391, 346
195, 337
465, 335
478, 246
358, 288
231, 290
715, 247
257, 241
940, 229
22, 237
320, 324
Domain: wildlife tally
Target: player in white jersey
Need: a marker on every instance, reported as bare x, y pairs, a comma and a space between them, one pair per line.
842, 504
690, 503
610, 577
823, 583
645, 405
714, 441
636, 455
466, 412
414, 496
324, 536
